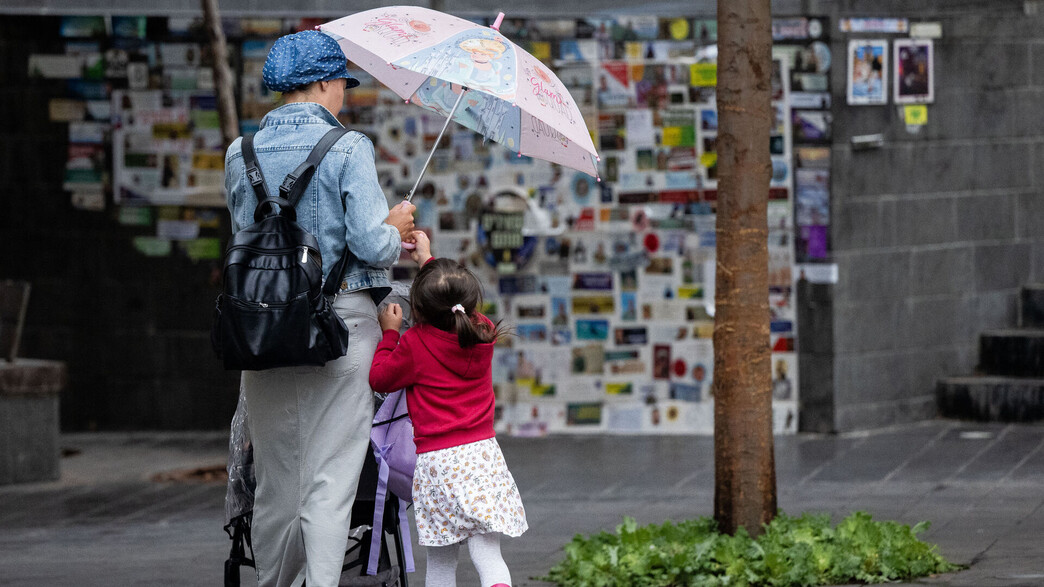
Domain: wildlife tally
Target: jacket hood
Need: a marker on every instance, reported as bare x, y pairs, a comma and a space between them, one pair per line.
470, 363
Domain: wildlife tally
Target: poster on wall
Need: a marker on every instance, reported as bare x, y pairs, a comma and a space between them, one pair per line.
914, 81
867, 72
166, 148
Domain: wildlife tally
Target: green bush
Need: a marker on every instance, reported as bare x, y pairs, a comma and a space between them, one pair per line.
792, 552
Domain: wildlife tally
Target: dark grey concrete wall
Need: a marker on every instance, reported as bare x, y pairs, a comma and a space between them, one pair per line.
131, 331
935, 232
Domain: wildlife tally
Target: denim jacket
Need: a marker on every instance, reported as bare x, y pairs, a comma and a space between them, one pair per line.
343, 204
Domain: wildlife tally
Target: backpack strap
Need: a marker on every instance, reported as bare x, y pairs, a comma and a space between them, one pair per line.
296, 181
253, 171
257, 181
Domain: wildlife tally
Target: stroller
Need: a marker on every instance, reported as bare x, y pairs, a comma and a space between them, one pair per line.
362, 566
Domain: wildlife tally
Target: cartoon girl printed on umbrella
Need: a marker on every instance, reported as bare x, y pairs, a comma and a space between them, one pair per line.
484, 67
480, 63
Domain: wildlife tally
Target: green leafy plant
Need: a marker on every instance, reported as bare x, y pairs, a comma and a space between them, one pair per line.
792, 552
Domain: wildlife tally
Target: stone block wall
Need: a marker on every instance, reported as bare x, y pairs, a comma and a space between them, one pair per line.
935, 232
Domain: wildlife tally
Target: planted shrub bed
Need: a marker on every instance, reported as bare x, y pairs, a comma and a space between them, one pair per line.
792, 552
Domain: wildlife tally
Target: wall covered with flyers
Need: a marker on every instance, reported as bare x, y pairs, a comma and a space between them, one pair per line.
608, 284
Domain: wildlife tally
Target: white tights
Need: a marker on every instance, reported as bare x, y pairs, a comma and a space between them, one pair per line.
485, 554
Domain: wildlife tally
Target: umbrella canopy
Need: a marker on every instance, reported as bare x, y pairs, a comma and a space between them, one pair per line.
429, 58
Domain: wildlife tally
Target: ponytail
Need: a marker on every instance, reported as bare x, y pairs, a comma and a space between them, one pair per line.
471, 332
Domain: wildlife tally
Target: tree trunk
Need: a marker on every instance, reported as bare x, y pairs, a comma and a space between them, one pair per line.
223, 80
744, 465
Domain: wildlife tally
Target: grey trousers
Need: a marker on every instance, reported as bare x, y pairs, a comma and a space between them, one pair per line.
310, 427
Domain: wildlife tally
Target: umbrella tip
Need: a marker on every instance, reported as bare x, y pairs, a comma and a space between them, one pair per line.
318, 27
496, 24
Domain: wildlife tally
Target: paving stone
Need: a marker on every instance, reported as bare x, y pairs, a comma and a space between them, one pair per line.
877, 456
950, 452
1001, 459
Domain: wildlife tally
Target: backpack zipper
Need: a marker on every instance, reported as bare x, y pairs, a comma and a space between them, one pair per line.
256, 305
263, 250
304, 251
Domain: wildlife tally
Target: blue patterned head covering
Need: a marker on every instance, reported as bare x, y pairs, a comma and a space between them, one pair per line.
302, 58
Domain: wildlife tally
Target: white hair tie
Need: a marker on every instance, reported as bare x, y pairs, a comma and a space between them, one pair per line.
458, 308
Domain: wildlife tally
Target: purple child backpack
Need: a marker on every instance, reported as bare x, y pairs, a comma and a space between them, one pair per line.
392, 440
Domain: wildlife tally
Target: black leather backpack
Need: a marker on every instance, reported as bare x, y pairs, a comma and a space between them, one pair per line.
274, 310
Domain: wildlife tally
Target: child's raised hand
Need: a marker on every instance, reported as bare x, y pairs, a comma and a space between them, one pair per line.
422, 251
390, 317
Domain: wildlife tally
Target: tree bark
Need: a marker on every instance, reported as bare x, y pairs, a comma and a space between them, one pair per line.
744, 464
223, 80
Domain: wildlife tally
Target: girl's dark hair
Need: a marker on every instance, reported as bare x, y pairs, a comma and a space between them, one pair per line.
442, 284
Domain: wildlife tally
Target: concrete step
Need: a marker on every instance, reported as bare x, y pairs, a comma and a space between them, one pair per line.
1015, 352
991, 399
1031, 302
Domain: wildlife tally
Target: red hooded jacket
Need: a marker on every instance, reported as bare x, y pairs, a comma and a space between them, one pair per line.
449, 390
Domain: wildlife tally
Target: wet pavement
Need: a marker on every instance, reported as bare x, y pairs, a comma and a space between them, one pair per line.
108, 522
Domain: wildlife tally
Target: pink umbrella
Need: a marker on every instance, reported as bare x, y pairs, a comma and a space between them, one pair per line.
471, 74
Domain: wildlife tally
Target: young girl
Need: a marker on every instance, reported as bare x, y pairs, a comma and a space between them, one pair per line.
462, 489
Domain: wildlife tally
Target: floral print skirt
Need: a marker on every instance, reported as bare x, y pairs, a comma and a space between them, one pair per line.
462, 491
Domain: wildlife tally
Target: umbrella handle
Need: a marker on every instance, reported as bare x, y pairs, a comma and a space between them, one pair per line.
406, 245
